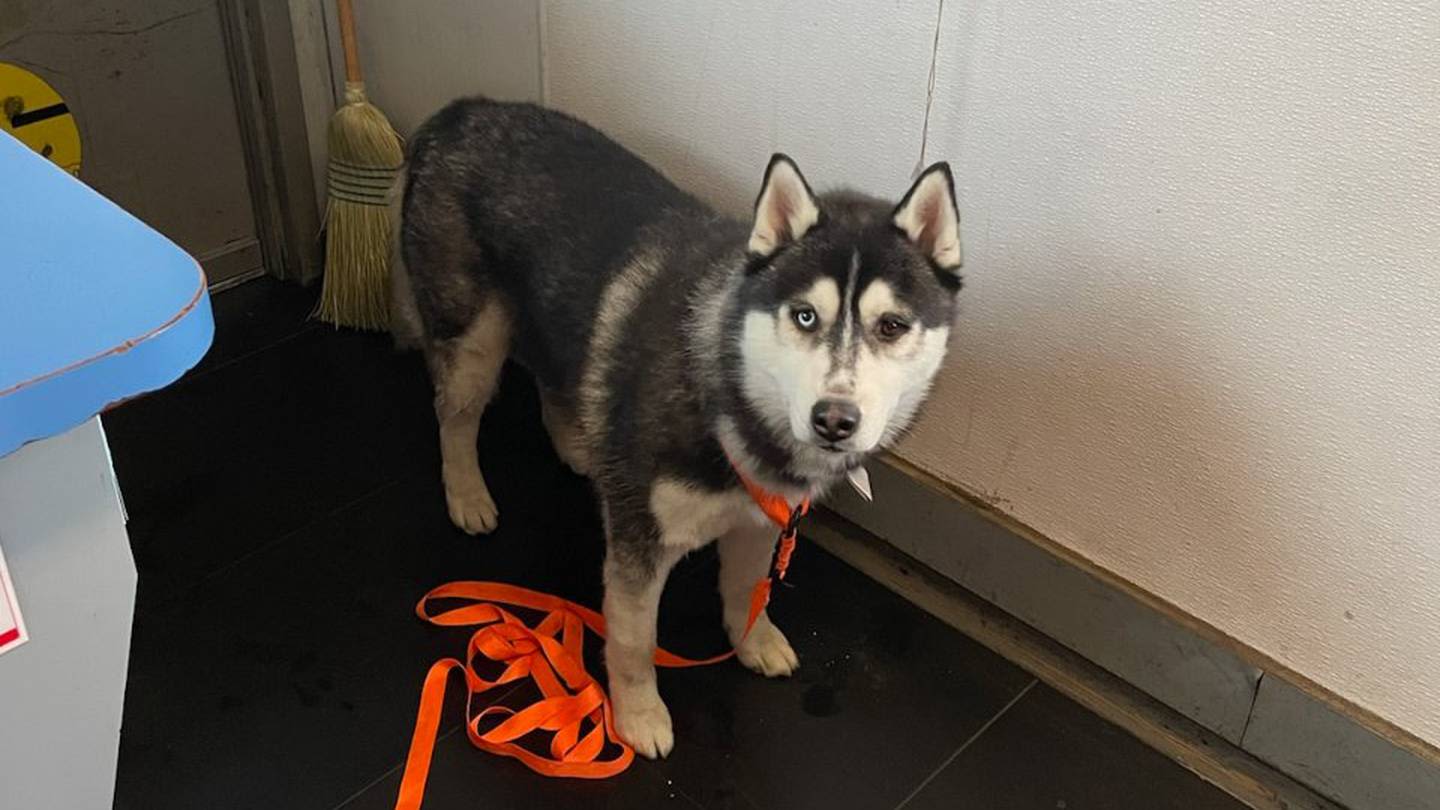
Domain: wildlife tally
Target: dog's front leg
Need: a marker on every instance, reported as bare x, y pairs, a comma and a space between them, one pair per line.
744, 559
634, 578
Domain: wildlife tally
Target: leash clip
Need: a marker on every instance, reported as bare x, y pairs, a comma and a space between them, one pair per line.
792, 525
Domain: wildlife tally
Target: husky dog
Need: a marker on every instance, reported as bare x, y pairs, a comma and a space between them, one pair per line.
675, 349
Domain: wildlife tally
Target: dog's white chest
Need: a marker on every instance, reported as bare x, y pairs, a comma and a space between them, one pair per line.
690, 517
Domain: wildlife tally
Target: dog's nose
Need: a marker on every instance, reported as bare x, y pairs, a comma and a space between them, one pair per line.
835, 419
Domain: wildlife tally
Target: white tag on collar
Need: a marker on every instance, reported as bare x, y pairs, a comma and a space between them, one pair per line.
859, 478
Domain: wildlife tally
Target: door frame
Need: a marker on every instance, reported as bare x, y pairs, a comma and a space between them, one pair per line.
264, 77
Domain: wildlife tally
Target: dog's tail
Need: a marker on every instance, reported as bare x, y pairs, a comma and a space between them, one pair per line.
405, 324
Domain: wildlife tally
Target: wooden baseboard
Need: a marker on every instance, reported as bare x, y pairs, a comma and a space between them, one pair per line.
1202, 751
1364, 717
1241, 696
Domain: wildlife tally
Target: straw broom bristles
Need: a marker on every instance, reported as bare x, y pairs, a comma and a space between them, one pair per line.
365, 159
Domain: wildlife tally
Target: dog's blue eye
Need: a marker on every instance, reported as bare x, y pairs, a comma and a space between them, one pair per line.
805, 318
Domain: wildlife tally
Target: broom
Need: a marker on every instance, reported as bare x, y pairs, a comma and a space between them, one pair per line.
365, 158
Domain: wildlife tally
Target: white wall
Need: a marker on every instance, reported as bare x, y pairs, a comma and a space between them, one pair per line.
707, 91
415, 56
1203, 343
420, 54
1201, 334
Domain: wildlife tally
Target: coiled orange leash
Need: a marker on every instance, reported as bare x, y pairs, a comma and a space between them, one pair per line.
573, 705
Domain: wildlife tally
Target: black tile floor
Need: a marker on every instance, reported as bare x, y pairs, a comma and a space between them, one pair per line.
286, 513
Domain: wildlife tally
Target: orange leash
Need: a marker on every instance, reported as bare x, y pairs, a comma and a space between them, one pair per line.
573, 705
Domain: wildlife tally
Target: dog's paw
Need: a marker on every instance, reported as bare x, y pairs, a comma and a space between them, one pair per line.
767, 651
471, 508
643, 722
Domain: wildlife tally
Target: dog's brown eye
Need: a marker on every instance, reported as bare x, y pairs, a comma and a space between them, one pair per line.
805, 318
892, 327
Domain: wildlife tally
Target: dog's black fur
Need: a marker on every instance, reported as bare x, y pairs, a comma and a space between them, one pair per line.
526, 233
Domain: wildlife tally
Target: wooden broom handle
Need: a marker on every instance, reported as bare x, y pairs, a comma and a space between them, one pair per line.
347, 41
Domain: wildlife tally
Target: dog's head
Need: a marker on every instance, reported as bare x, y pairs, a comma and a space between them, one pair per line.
844, 315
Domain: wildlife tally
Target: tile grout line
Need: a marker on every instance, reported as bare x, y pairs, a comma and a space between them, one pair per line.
392, 769
973, 737
445, 735
687, 797
304, 328
166, 603
1202, 752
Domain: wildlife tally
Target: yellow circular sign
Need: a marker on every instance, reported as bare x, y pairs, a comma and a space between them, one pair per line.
34, 113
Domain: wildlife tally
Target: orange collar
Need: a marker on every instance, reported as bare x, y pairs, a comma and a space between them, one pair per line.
787, 518
773, 504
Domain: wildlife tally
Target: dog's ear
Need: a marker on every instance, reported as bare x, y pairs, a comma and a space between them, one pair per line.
929, 217
785, 209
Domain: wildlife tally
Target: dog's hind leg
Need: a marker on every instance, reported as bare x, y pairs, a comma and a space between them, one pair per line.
466, 371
